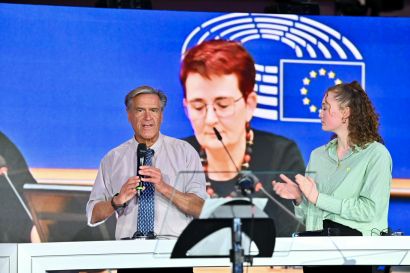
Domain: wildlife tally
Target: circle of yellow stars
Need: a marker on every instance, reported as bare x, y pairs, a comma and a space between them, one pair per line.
304, 91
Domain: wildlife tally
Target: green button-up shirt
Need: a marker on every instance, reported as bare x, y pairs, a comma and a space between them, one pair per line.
353, 191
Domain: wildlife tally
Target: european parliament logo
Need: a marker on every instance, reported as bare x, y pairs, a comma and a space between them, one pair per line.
297, 59
304, 83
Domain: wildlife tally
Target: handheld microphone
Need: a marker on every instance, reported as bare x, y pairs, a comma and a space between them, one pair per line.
3, 171
246, 181
141, 151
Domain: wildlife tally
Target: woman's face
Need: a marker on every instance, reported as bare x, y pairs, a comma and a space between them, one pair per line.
217, 102
332, 115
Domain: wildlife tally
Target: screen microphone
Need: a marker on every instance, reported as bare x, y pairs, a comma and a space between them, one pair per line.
3, 171
219, 137
141, 152
246, 181
3, 165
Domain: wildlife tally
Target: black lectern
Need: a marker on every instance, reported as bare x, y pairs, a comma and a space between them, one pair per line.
243, 219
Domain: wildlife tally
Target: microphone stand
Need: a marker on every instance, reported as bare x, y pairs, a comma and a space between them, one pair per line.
236, 254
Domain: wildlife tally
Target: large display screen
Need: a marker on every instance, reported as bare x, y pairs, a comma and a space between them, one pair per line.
65, 71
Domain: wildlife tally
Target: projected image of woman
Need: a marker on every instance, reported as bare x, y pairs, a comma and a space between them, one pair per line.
218, 79
15, 224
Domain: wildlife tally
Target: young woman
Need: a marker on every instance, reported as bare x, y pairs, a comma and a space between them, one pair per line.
349, 180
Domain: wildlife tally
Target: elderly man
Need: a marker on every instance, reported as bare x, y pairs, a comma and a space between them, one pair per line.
141, 201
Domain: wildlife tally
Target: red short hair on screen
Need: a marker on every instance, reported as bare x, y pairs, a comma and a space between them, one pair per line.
218, 58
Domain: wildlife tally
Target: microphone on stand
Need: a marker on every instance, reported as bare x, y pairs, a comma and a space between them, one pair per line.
3, 171
246, 181
248, 184
141, 151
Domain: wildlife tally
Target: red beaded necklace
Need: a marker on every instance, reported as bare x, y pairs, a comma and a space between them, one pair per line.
245, 162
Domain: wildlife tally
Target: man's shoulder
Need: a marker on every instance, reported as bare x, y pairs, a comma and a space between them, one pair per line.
120, 149
177, 142
193, 142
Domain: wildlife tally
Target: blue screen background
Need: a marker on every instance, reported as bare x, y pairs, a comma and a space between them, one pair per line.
65, 71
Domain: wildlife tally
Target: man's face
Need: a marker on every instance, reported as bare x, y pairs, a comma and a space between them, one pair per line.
217, 102
145, 116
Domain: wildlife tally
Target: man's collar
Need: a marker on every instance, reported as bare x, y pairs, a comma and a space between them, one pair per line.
156, 146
